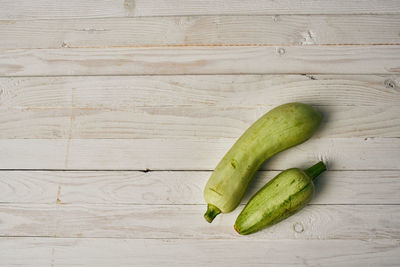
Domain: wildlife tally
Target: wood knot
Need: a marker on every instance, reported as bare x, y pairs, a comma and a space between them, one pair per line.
390, 84
129, 6
276, 18
281, 51
298, 227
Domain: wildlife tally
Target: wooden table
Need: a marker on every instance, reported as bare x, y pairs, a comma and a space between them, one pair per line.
114, 113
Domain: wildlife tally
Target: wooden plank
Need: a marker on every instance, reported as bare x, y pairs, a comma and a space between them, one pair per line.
203, 30
219, 122
30, 187
195, 154
49, 9
201, 60
162, 8
186, 221
129, 92
180, 187
124, 106
155, 252
184, 122
54, 123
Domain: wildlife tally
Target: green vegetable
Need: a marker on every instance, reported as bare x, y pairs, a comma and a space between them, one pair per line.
281, 197
281, 128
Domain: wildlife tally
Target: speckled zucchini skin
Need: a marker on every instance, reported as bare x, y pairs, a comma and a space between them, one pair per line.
281, 197
279, 129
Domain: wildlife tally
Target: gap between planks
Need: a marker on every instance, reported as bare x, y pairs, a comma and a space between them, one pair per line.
199, 75
162, 170
59, 202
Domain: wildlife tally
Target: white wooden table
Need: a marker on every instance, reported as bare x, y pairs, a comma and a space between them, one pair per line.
114, 113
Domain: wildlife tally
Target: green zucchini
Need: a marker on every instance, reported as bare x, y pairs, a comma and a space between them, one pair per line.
281, 197
281, 128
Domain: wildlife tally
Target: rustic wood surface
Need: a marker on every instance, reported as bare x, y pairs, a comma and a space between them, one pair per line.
201, 30
51, 9
342, 59
114, 114
179, 187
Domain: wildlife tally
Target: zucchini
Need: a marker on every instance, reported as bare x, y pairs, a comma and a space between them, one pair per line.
281, 128
281, 197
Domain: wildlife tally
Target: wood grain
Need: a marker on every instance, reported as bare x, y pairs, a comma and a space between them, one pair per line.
96, 95
183, 122
163, 8
201, 60
191, 106
180, 187
129, 92
195, 154
50, 9
30, 251
186, 221
203, 30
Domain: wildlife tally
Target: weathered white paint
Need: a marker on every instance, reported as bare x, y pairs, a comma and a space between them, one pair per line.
127, 107
367, 59
188, 122
183, 122
129, 92
190, 154
181, 187
51, 9
186, 221
28, 251
202, 30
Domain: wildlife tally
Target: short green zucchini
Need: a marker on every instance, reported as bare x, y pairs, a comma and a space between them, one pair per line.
281, 197
281, 128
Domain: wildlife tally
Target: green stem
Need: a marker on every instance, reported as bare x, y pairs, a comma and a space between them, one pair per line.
315, 170
211, 213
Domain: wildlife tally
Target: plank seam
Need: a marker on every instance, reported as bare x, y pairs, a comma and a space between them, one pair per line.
207, 15
178, 170
207, 74
58, 204
233, 238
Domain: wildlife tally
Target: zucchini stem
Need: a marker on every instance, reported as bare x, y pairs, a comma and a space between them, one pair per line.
211, 213
316, 170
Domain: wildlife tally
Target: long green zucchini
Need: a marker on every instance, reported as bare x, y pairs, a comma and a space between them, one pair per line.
281, 128
281, 197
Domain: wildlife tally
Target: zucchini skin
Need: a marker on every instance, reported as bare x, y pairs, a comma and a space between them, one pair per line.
281, 128
284, 195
